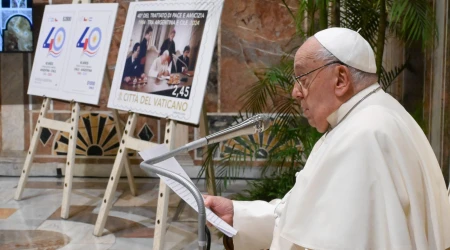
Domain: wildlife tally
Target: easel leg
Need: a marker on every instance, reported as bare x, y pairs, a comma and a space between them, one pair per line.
126, 161
204, 131
73, 135
32, 149
180, 208
115, 176
163, 197
181, 136
119, 130
211, 181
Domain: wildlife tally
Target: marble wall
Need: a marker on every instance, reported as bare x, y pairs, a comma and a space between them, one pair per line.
253, 35
437, 89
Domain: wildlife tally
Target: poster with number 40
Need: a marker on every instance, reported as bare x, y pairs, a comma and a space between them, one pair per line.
72, 50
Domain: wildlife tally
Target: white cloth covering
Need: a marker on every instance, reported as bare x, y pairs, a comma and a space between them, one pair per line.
349, 47
158, 67
373, 182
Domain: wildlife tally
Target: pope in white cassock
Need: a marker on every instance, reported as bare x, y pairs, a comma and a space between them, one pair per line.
371, 182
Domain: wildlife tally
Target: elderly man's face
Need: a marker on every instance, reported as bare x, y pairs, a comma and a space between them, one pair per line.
317, 98
166, 58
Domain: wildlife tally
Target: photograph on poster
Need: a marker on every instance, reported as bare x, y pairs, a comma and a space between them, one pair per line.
164, 58
162, 52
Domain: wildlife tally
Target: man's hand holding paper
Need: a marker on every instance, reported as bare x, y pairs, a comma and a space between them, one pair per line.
172, 165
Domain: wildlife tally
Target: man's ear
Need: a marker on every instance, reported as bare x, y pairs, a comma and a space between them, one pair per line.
343, 81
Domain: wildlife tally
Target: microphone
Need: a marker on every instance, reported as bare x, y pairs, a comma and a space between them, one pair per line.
178, 59
190, 186
254, 124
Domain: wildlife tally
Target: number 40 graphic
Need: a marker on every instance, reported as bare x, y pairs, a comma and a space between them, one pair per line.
55, 44
91, 43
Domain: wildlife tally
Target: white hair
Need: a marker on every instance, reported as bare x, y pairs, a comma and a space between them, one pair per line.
166, 53
359, 77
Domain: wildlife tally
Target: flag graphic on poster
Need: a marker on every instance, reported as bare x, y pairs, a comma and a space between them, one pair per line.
51, 51
88, 55
72, 51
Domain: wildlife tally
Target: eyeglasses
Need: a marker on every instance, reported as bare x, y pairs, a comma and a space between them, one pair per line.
303, 87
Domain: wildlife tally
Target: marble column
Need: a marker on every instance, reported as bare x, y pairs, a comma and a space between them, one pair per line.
437, 89
394, 56
12, 101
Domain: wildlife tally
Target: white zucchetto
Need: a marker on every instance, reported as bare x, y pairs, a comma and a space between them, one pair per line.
349, 47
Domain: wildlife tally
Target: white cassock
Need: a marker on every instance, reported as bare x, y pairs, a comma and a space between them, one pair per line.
157, 67
373, 182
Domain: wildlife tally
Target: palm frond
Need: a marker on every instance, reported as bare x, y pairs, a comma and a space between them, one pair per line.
388, 77
361, 15
289, 9
413, 20
298, 17
266, 91
284, 110
231, 167
208, 161
256, 98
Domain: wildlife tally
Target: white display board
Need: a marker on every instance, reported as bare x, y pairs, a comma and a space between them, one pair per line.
165, 57
72, 50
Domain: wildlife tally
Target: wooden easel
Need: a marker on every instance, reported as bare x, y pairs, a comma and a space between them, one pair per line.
175, 135
72, 129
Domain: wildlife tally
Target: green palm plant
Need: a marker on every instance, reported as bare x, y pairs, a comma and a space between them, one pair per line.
409, 20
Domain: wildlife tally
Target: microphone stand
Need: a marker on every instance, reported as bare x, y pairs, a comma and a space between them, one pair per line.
255, 124
194, 191
178, 59
188, 147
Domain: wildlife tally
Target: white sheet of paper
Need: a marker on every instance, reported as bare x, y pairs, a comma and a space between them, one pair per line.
173, 165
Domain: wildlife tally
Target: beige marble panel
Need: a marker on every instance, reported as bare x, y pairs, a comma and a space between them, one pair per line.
438, 79
12, 100
255, 34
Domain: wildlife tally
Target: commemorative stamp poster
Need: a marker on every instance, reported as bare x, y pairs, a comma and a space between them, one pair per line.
164, 58
72, 50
